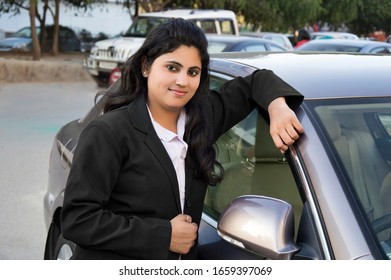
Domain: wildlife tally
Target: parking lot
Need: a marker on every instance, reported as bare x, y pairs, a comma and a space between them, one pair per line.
30, 116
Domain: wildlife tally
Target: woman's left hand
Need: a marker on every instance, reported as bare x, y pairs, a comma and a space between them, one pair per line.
285, 128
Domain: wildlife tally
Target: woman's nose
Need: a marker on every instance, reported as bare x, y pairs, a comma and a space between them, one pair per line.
182, 79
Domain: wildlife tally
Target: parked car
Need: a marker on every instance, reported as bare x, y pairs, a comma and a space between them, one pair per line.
346, 45
333, 35
105, 55
21, 40
327, 198
282, 39
230, 43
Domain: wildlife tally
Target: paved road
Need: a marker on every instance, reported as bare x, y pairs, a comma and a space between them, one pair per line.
30, 116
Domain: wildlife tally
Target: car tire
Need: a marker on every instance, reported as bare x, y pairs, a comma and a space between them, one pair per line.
51, 241
64, 249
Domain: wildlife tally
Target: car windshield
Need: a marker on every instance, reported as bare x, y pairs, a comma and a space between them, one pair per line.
329, 48
216, 47
359, 134
25, 32
141, 26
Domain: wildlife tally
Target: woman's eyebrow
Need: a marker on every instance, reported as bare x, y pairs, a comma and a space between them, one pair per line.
180, 65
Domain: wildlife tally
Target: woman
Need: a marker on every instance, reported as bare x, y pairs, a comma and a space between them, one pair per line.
140, 171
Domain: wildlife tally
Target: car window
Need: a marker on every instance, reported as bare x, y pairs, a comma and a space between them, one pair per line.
347, 49
385, 120
279, 40
254, 48
253, 165
25, 32
226, 26
380, 50
141, 26
329, 48
216, 47
207, 25
359, 135
66, 34
275, 48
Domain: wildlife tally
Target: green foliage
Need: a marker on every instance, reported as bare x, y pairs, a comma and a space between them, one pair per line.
372, 15
361, 16
13, 6
86, 36
83, 4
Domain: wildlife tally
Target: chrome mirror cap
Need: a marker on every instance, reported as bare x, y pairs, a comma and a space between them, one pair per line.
260, 224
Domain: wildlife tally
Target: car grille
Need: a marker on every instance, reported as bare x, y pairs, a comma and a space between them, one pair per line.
113, 54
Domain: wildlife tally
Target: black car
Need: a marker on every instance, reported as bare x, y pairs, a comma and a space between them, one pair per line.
327, 198
232, 43
280, 38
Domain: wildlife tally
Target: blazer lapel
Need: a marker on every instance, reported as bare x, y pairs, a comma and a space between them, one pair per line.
188, 175
140, 119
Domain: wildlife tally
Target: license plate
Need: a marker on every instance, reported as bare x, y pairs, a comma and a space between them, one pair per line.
107, 65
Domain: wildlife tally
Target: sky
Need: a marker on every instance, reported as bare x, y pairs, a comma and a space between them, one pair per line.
110, 19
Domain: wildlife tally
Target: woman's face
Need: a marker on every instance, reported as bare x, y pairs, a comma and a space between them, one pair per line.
173, 79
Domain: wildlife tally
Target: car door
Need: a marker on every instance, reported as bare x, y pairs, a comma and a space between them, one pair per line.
253, 165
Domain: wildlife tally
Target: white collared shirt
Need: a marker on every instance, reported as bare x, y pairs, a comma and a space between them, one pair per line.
176, 148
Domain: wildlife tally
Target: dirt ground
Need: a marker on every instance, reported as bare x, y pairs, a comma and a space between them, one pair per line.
65, 67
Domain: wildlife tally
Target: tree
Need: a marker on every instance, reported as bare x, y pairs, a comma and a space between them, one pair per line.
264, 17
56, 32
297, 14
372, 15
36, 47
15, 7
153, 6
128, 4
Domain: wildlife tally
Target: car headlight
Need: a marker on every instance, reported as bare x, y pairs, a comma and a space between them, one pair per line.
94, 50
22, 47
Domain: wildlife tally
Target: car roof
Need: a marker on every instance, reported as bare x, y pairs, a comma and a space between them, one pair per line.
335, 34
234, 38
346, 42
316, 75
259, 33
191, 13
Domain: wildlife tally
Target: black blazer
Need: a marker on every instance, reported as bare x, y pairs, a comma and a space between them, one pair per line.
122, 189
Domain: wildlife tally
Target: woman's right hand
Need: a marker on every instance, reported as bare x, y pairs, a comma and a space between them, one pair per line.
183, 235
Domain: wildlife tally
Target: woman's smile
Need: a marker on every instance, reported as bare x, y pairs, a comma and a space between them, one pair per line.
178, 92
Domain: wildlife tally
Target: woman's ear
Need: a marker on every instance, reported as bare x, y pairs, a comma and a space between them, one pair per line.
144, 68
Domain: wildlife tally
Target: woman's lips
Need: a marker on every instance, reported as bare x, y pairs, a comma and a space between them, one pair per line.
178, 92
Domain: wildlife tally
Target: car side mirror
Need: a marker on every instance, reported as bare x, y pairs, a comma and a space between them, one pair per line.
260, 224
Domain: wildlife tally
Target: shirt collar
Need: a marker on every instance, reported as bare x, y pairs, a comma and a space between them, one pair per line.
167, 135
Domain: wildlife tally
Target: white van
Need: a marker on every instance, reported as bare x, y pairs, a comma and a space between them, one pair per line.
108, 54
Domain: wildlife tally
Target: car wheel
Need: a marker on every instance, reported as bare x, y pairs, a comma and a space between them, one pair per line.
64, 249
51, 241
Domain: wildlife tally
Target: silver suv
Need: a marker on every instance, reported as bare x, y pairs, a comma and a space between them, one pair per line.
108, 54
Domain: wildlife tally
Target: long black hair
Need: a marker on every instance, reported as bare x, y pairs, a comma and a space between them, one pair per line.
166, 38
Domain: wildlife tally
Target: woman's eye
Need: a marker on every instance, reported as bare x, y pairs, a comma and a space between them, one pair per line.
193, 72
172, 68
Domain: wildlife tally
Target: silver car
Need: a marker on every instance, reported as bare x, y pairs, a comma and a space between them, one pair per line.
327, 198
346, 45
